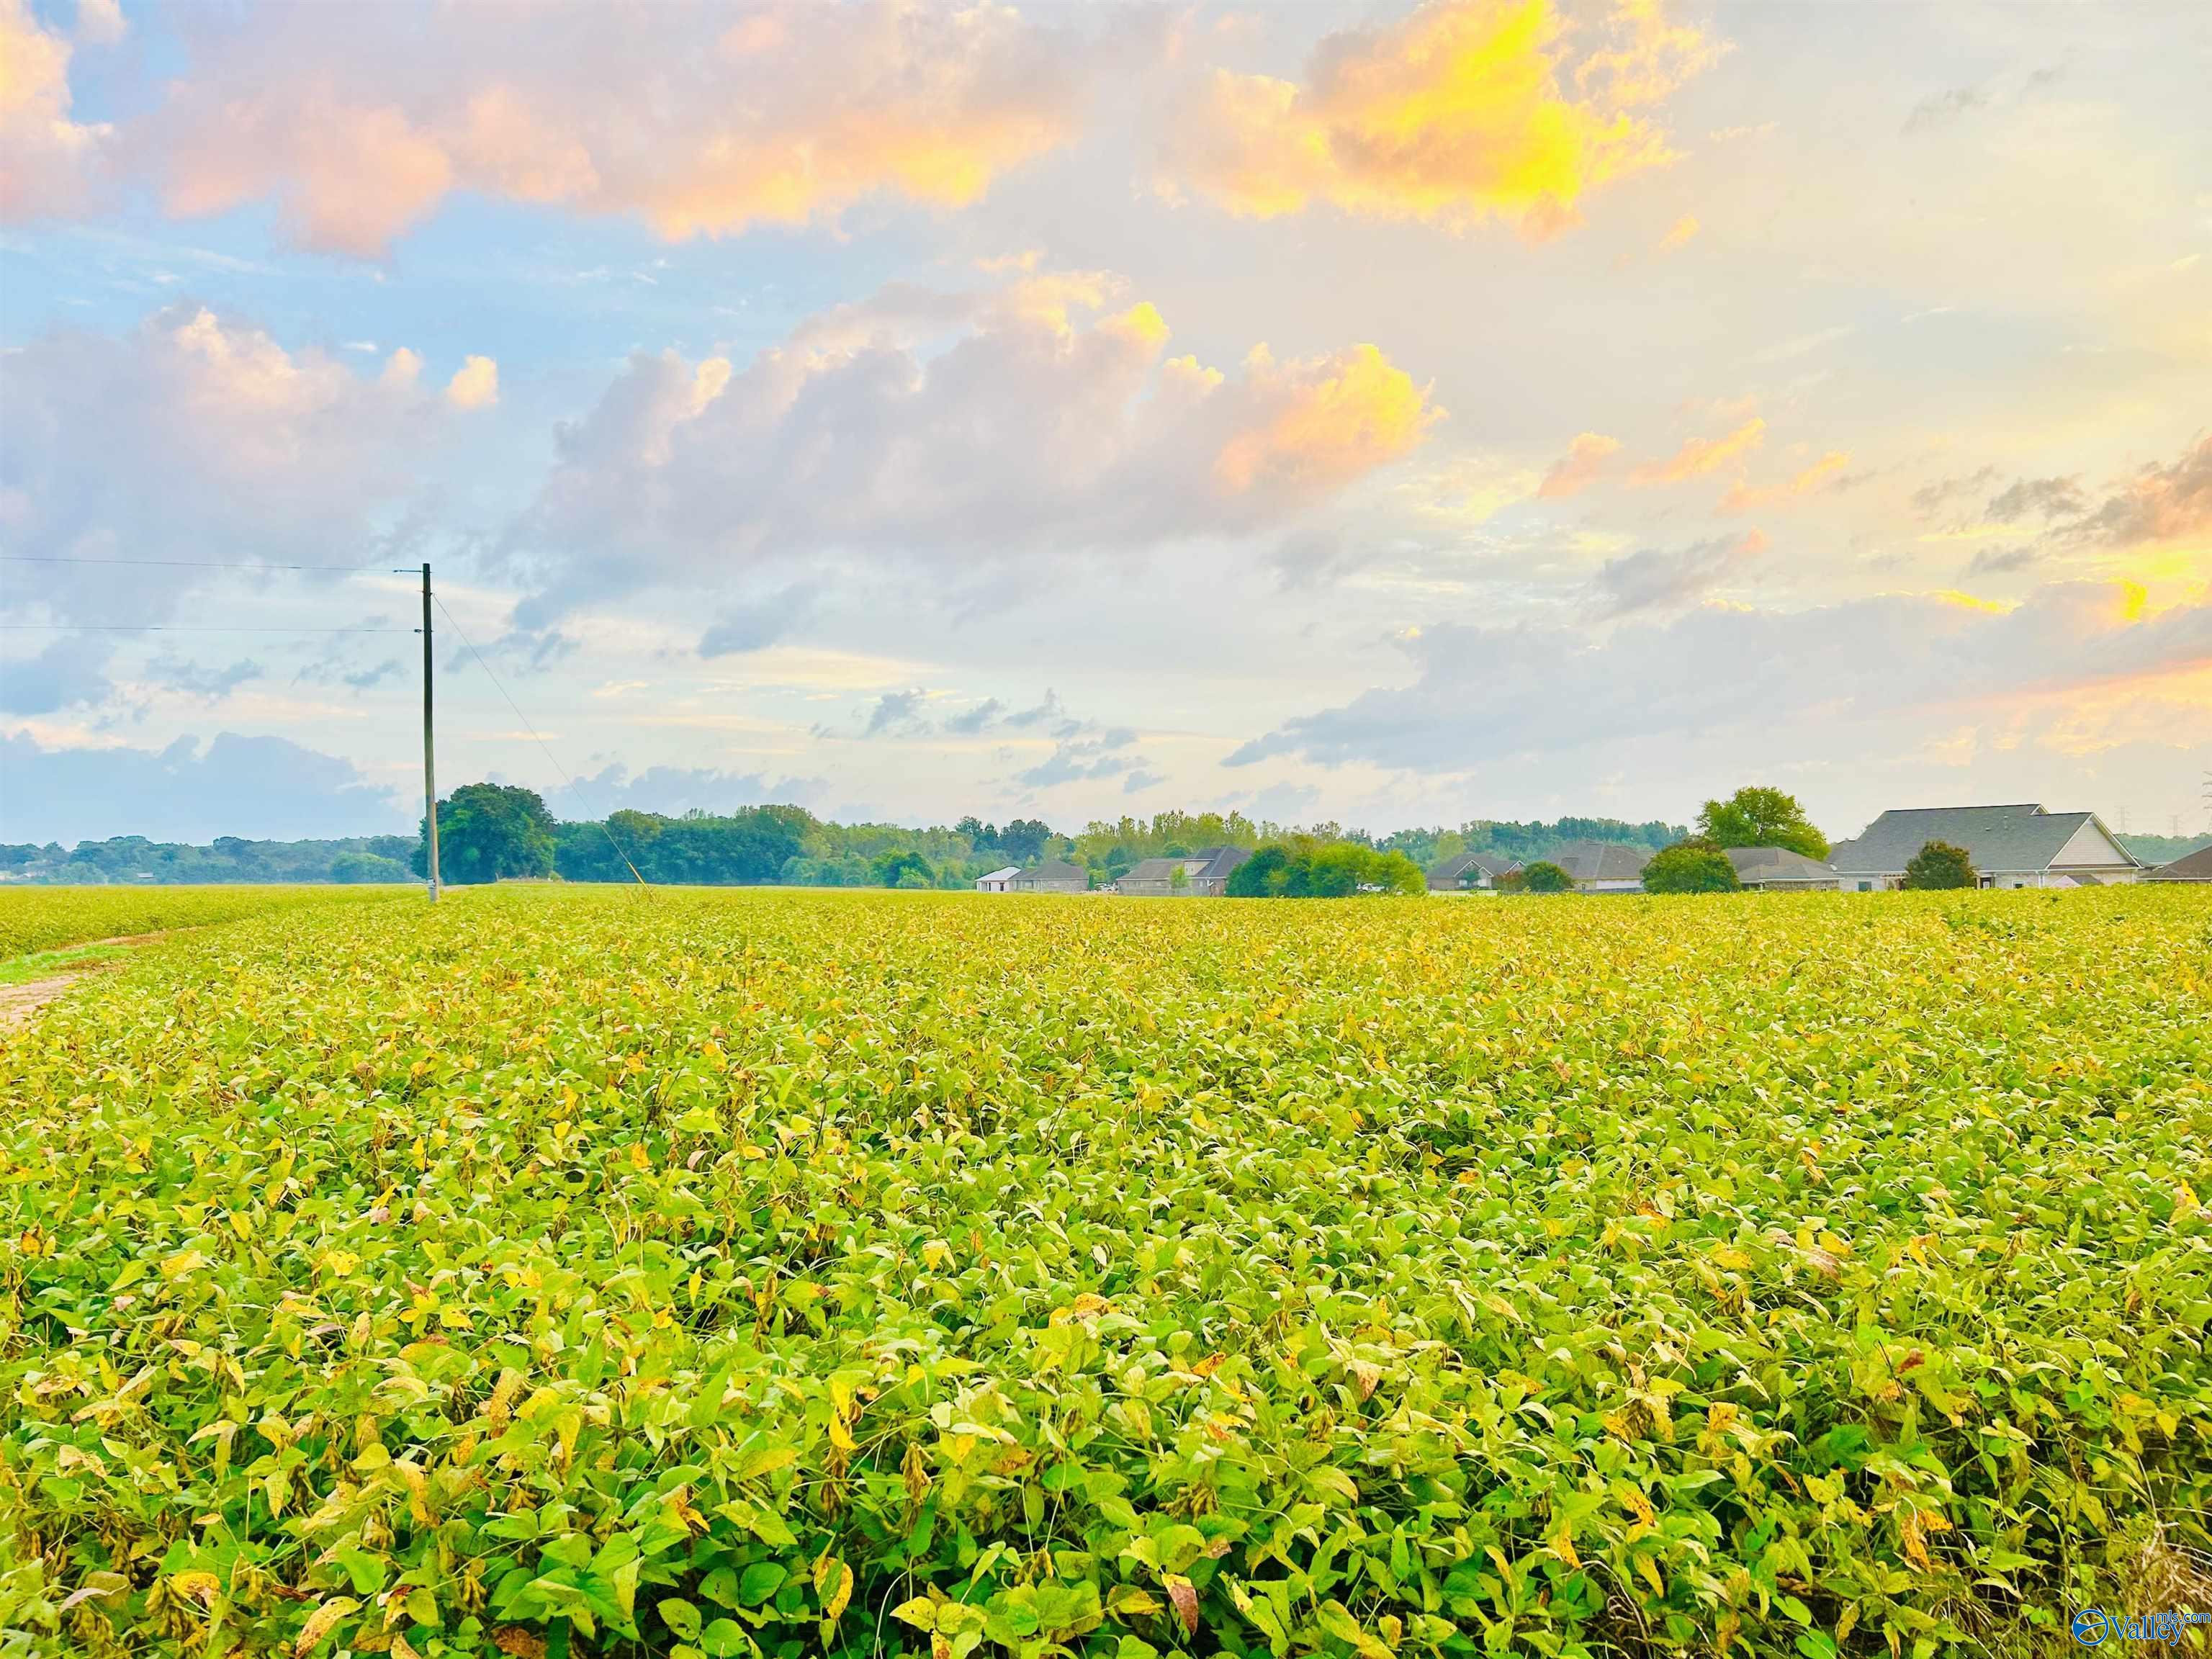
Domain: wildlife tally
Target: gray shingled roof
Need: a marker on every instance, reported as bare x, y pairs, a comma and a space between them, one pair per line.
2022, 836
1220, 861
1599, 860
1055, 870
1757, 864
2190, 866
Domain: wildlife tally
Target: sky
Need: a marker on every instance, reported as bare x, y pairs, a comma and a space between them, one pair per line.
1391, 414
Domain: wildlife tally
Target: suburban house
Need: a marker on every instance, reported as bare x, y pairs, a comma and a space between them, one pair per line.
1054, 876
1778, 870
2192, 866
2016, 846
999, 881
1599, 866
1203, 875
1470, 873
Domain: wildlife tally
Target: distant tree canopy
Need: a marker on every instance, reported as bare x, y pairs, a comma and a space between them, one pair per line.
1939, 864
1690, 866
1307, 867
1545, 876
1517, 842
489, 831
360, 867
1758, 816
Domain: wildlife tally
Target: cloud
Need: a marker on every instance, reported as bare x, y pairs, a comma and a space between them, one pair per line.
1085, 758
1825, 473
63, 672
476, 385
751, 625
1334, 419
1011, 421
1651, 579
101, 22
193, 432
1944, 107
895, 712
50, 163
1933, 496
1680, 234
173, 673
360, 123
1466, 110
257, 786
2052, 498
975, 719
1579, 467
2000, 561
1702, 455
1773, 682
2158, 504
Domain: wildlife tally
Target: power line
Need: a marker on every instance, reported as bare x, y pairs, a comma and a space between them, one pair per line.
168, 627
183, 564
501, 688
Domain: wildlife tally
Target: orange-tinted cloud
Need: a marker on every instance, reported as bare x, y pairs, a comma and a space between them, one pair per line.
476, 385
1334, 419
1578, 468
1468, 109
789, 116
1743, 498
2159, 503
46, 159
1680, 234
1703, 455
1047, 413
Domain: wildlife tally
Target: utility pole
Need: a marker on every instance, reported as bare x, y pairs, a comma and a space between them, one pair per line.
430, 751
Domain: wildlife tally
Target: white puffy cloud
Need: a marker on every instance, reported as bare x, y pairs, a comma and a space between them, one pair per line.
49, 162
475, 384
1046, 414
194, 436
360, 121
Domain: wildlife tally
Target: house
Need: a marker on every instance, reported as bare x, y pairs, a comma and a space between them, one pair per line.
1054, 876
2191, 866
1195, 875
1778, 870
2016, 846
999, 881
1470, 873
1599, 866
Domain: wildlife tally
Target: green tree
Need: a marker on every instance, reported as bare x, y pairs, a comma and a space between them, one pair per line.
1687, 867
1306, 866
1938, 865
1758, 816
1546, 877
488, 831
905, 868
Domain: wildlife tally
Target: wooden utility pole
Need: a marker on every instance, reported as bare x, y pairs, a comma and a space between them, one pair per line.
430, 751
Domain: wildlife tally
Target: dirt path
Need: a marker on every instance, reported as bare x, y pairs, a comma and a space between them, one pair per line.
19, 1001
